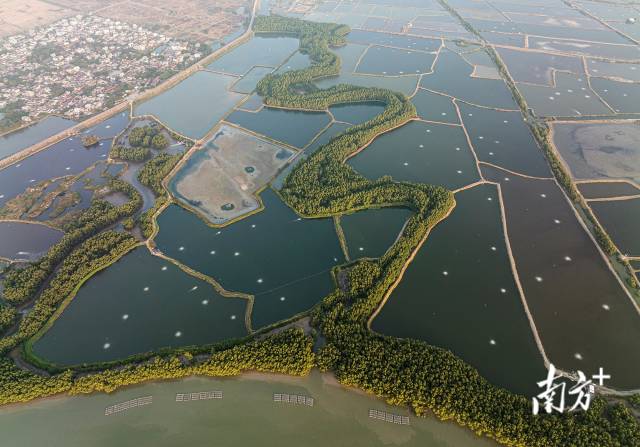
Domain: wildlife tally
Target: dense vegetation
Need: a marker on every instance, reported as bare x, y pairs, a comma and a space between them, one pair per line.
91, 255
288, 352
141, 141
148, 137
135, 154
7, 317
21, 284
156, 169
405, 372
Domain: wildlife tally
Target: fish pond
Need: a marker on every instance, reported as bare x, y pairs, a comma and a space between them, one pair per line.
459, 293
195, 105
582, 312
292, 127
371, 232
621, 219
420, 152
116, 313
283, 260
23, 138
26, 241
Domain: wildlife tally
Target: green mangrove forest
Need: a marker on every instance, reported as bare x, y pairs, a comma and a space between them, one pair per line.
411, 373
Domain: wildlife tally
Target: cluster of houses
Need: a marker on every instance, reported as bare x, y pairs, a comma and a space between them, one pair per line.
80, 65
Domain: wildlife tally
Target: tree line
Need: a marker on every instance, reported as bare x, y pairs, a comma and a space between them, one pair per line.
21, 284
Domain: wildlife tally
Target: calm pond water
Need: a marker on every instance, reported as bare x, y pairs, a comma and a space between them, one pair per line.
621, 219
248, 82
289, 126
459, 293
621, 96
598, 190
380, 60
109, 128
452, 76
260, 50
571, 96
63, 158
620, 52
504, 139
339, 417
296, 62
584, 317
371, 232
272, 254
23, 138
21, 240
393, 40
321, 139
252, 104
420, 152
538, 68
195, 105
349, 56
434, 107
357, 113
629, 72
140, 303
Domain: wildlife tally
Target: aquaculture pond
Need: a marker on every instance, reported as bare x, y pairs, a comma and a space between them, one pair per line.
584, 316
627, 72
380, 60
23, 138
459, 293
108, 128
28, 241
434, 107
621, 96
611, 51
621, 218
323, 138
349, 55
289, 126
420, 152
253, 103
284, 260
63, 158
599, 150
265, 51
504, 139
356, 113
371, 232
452, 76
571, 96
538, 68
194, 105
297, 61
248, 82
139, 304
393, 40
248, 398
603, 190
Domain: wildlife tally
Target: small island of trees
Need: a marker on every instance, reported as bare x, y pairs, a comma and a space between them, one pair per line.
141, 140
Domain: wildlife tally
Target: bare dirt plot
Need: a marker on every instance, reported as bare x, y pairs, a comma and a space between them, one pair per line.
221, 179
17, 16
200, 20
